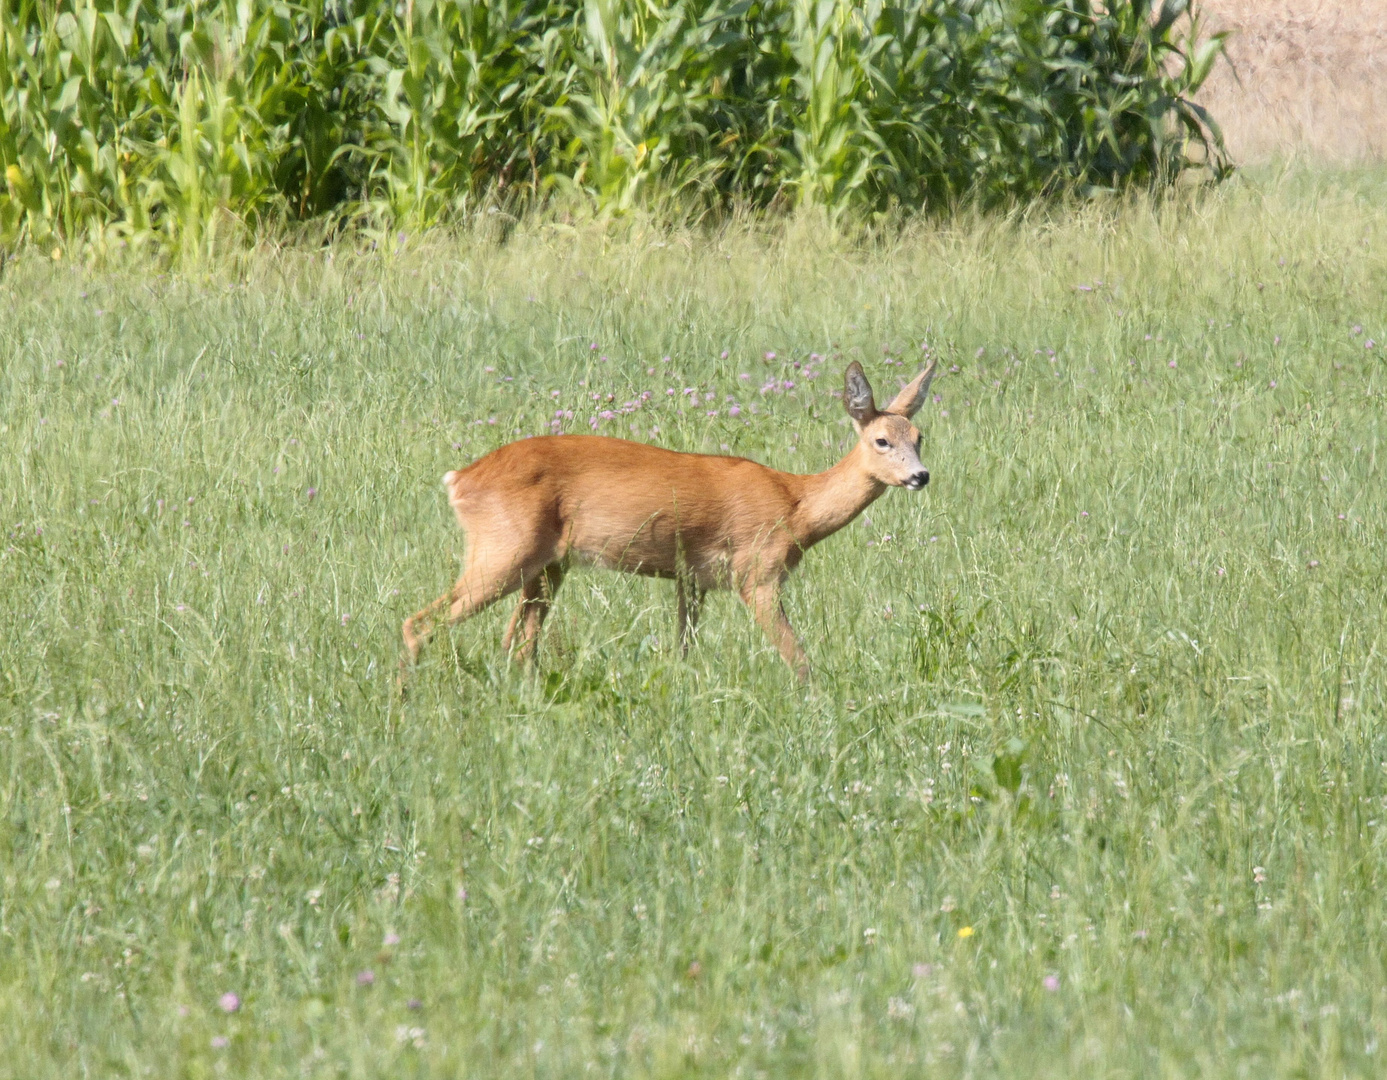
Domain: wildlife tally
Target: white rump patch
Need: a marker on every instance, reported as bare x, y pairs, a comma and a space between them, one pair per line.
448, 481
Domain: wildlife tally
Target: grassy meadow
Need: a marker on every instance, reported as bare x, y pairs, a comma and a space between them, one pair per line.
1090, 779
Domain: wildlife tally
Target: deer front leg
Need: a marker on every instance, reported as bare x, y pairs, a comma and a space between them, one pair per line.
764, 601
690, 605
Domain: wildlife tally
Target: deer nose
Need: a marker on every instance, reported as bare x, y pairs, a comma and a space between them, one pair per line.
919, 480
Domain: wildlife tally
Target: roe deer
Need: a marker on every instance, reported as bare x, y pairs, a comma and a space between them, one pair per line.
531, 508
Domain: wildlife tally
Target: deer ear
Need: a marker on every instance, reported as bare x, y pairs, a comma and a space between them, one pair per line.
857, 395
907, 403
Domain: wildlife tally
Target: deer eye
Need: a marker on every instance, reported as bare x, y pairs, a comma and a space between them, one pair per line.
883, 443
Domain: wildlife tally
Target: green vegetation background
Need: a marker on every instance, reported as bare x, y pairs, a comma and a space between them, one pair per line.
1089, 781
186, 124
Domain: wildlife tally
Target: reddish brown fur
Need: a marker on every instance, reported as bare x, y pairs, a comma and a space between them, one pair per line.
532, 508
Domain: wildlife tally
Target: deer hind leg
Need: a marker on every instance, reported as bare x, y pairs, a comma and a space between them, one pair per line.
690, 595
478, 588
764, 601
536, 597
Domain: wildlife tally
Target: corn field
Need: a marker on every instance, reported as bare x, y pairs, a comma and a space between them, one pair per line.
182, 122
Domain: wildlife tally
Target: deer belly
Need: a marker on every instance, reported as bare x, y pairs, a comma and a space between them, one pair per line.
653, 547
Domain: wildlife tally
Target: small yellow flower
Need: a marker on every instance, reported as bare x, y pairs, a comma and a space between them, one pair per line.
965, 931
57, 254
13, 175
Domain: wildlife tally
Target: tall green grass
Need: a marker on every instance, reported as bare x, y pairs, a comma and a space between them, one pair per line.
1089, 782
183, 123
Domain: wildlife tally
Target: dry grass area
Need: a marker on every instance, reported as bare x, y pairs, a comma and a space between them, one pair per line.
1307, 77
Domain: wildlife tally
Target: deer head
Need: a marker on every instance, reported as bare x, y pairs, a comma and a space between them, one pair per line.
890, 443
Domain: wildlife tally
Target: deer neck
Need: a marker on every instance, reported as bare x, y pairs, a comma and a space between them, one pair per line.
829, 500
